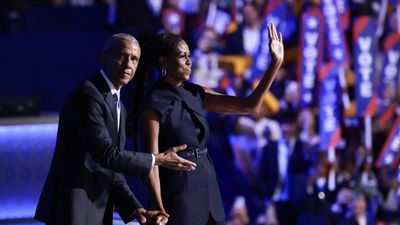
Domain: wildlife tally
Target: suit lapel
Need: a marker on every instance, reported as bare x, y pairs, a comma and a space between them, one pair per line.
103, 88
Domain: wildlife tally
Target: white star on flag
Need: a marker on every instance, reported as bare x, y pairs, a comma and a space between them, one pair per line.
312, 22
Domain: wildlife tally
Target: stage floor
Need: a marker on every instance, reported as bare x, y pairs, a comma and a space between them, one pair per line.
26, 149
33, 222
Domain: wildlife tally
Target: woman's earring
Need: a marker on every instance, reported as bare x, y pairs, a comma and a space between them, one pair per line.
163, 72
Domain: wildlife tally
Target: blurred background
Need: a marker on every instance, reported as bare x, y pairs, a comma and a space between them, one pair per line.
324, 150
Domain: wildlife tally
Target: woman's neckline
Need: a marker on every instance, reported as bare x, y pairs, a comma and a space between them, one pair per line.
164, 80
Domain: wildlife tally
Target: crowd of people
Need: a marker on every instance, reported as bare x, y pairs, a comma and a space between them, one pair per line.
281, 174
284, 175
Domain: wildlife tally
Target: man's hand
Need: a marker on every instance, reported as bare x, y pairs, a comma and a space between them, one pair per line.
151, 217
170, 159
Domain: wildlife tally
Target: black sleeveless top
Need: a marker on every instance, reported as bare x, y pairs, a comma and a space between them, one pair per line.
182, 115
189, 197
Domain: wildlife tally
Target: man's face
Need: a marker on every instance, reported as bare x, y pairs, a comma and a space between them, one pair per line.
250, 15
288, 129
207, 41
120, 62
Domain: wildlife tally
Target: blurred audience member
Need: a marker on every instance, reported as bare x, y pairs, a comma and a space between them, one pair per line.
261, 6
219, 15
357, 210
246, 39
314, 206
238, 214
389, 210
172, 17
249, 137
284, 169
205, 60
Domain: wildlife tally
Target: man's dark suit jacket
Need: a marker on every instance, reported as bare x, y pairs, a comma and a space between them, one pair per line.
85, 179
234, 43
269, 169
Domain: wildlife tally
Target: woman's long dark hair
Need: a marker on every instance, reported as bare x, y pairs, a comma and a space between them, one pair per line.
152, 48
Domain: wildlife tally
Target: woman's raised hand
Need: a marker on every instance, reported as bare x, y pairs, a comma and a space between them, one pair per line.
275, 44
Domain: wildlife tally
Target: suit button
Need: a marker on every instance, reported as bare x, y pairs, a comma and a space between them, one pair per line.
203, 165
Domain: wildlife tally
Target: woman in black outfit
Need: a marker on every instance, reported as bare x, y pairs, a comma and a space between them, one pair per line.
173, 114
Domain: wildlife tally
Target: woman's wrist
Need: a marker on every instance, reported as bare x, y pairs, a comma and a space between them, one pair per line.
276, 62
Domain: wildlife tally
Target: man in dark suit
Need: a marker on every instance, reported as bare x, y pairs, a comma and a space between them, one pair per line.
284, 169
85, 179
246, 39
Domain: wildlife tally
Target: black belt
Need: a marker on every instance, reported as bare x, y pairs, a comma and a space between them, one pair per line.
194, 152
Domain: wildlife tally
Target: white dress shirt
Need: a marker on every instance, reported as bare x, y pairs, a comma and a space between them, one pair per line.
115, 91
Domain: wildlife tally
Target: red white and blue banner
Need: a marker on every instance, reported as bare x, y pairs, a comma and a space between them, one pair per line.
330, 107
335, 32
311, 55
343, 9
365, 47
388, 85
217, 18
279, 13
389, 155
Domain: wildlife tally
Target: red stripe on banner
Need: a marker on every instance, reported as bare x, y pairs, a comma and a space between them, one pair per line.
387, 115
272, 5
233, 10
345, 20
372, 106
382, 152
224, 83
315, 11
362, 22
325, 70
335, 138
390, 41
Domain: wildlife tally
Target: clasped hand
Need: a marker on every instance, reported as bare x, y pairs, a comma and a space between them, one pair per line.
145, 217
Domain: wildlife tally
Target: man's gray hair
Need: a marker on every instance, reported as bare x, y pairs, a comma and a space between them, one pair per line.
117, 37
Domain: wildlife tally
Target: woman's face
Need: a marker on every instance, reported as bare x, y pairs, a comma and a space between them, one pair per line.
178, 63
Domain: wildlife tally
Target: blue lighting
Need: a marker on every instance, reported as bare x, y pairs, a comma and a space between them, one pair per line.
25, 155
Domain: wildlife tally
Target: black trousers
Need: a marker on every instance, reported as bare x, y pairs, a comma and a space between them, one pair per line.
211, 221
283, 209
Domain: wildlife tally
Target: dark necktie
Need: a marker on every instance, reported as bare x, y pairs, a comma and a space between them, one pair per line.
118, 107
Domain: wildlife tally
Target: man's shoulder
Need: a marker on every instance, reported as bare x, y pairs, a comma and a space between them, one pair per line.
93, 86
86, 90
